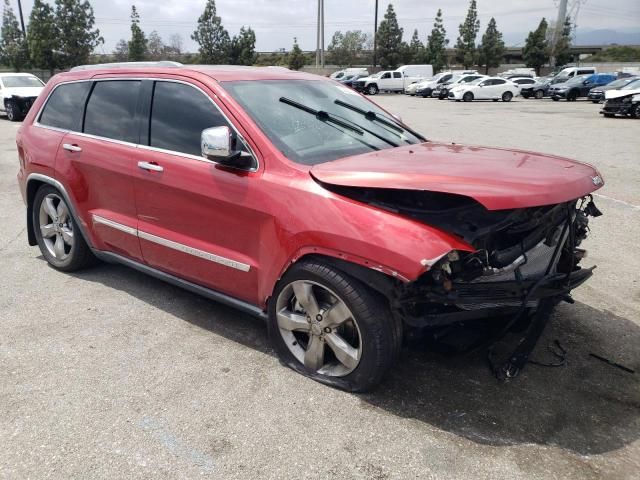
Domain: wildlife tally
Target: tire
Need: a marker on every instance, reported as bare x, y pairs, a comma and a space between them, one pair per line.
507, 96
12, 111
635, 111
595, 101
539, 94
372, 89
555, 99
609, 115
525, 95
572, 96
427, 93
63, 246
365, 327
467, 97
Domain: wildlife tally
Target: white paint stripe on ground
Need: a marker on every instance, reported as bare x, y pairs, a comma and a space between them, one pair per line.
622, 202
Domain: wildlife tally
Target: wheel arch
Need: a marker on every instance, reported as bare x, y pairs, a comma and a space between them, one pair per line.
34, 182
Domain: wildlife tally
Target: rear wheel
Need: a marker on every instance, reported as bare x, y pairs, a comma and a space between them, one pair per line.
372, 89
595, 101
331, 328
539, 94
572, 96
507, 96
635, 111
57, 234
467, 97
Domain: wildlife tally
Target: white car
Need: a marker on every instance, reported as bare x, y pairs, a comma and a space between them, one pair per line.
18, 91
492, 88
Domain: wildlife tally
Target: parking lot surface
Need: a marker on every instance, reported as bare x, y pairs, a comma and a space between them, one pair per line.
107, 373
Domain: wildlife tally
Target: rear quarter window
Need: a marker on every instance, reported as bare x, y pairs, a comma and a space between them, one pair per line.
65, 106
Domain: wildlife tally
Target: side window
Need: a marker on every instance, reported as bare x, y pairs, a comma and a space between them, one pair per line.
179, 114
65, 106
498, 81
386, 75
397, 75
111, 110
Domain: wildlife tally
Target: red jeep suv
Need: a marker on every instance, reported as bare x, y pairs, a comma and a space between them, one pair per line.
294, 198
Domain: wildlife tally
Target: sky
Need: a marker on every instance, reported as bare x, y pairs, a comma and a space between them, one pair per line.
276, 22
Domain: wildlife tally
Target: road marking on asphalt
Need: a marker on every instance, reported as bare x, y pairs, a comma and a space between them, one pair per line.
622, 202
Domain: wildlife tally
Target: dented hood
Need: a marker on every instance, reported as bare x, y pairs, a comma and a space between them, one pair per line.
496, 178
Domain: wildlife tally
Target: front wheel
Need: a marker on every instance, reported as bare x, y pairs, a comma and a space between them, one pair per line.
12, 111
372, 89
57, 233
539, 94
635, 111
507, 96
467, 97
328, 326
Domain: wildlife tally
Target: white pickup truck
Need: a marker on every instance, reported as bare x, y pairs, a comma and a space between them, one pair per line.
393, 80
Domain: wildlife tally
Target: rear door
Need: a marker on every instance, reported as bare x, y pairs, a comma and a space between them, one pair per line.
194, 219
99, 163
397, 81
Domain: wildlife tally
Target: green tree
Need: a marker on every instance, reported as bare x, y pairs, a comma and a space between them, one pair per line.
415, 51
536, 48
156, 49
491, 51
138, 43
562, 50
121, 52
42, 37
436, 53
296, 57
13, 47
466, 45
345, 49
242, 50
211, 36
78, 39
389, 40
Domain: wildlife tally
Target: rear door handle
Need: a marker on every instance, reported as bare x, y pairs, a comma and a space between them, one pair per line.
71, 148
152, 167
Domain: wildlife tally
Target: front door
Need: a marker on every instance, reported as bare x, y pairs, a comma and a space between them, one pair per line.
195, 218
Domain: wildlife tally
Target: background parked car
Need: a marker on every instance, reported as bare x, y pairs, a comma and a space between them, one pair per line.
442, 90
625, 101
539, 89
492, 88
348, 81
579, 86
596, 94
341, 74
18, 91
393, 81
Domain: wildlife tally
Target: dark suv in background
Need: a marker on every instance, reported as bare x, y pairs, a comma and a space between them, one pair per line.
579, 86
596, 94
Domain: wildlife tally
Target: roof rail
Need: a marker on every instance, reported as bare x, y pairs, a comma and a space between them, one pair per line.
163, 63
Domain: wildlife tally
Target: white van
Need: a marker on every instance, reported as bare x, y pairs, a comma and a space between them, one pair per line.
348, 71
416, 71
570, 72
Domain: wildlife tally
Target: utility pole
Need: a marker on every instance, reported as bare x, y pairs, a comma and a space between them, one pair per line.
24, 32
375, 31
320, 36
557, 32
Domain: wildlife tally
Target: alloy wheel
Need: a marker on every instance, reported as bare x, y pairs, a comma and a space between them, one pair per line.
56, 227
318, 328
11, 112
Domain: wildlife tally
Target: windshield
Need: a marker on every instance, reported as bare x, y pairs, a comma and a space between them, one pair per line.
455, 79
21, 81
578, 79
634, 84
314, 121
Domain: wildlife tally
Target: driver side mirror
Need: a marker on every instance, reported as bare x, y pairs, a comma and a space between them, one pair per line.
217, 144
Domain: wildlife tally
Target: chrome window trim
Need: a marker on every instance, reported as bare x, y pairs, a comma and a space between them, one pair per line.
180, 247
36, 122
115, 225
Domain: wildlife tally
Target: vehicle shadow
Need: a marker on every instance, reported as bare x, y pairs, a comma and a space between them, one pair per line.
586, 406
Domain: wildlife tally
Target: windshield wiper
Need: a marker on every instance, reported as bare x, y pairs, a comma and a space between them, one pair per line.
331, 118
374, 117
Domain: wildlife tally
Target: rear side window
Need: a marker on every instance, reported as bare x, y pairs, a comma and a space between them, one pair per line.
111, 110
65, 106
397, 75
179, 114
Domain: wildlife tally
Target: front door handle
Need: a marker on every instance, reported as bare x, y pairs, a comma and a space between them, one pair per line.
152, 167
71, 148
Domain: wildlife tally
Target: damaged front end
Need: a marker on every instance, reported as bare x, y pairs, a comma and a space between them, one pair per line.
522, 256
